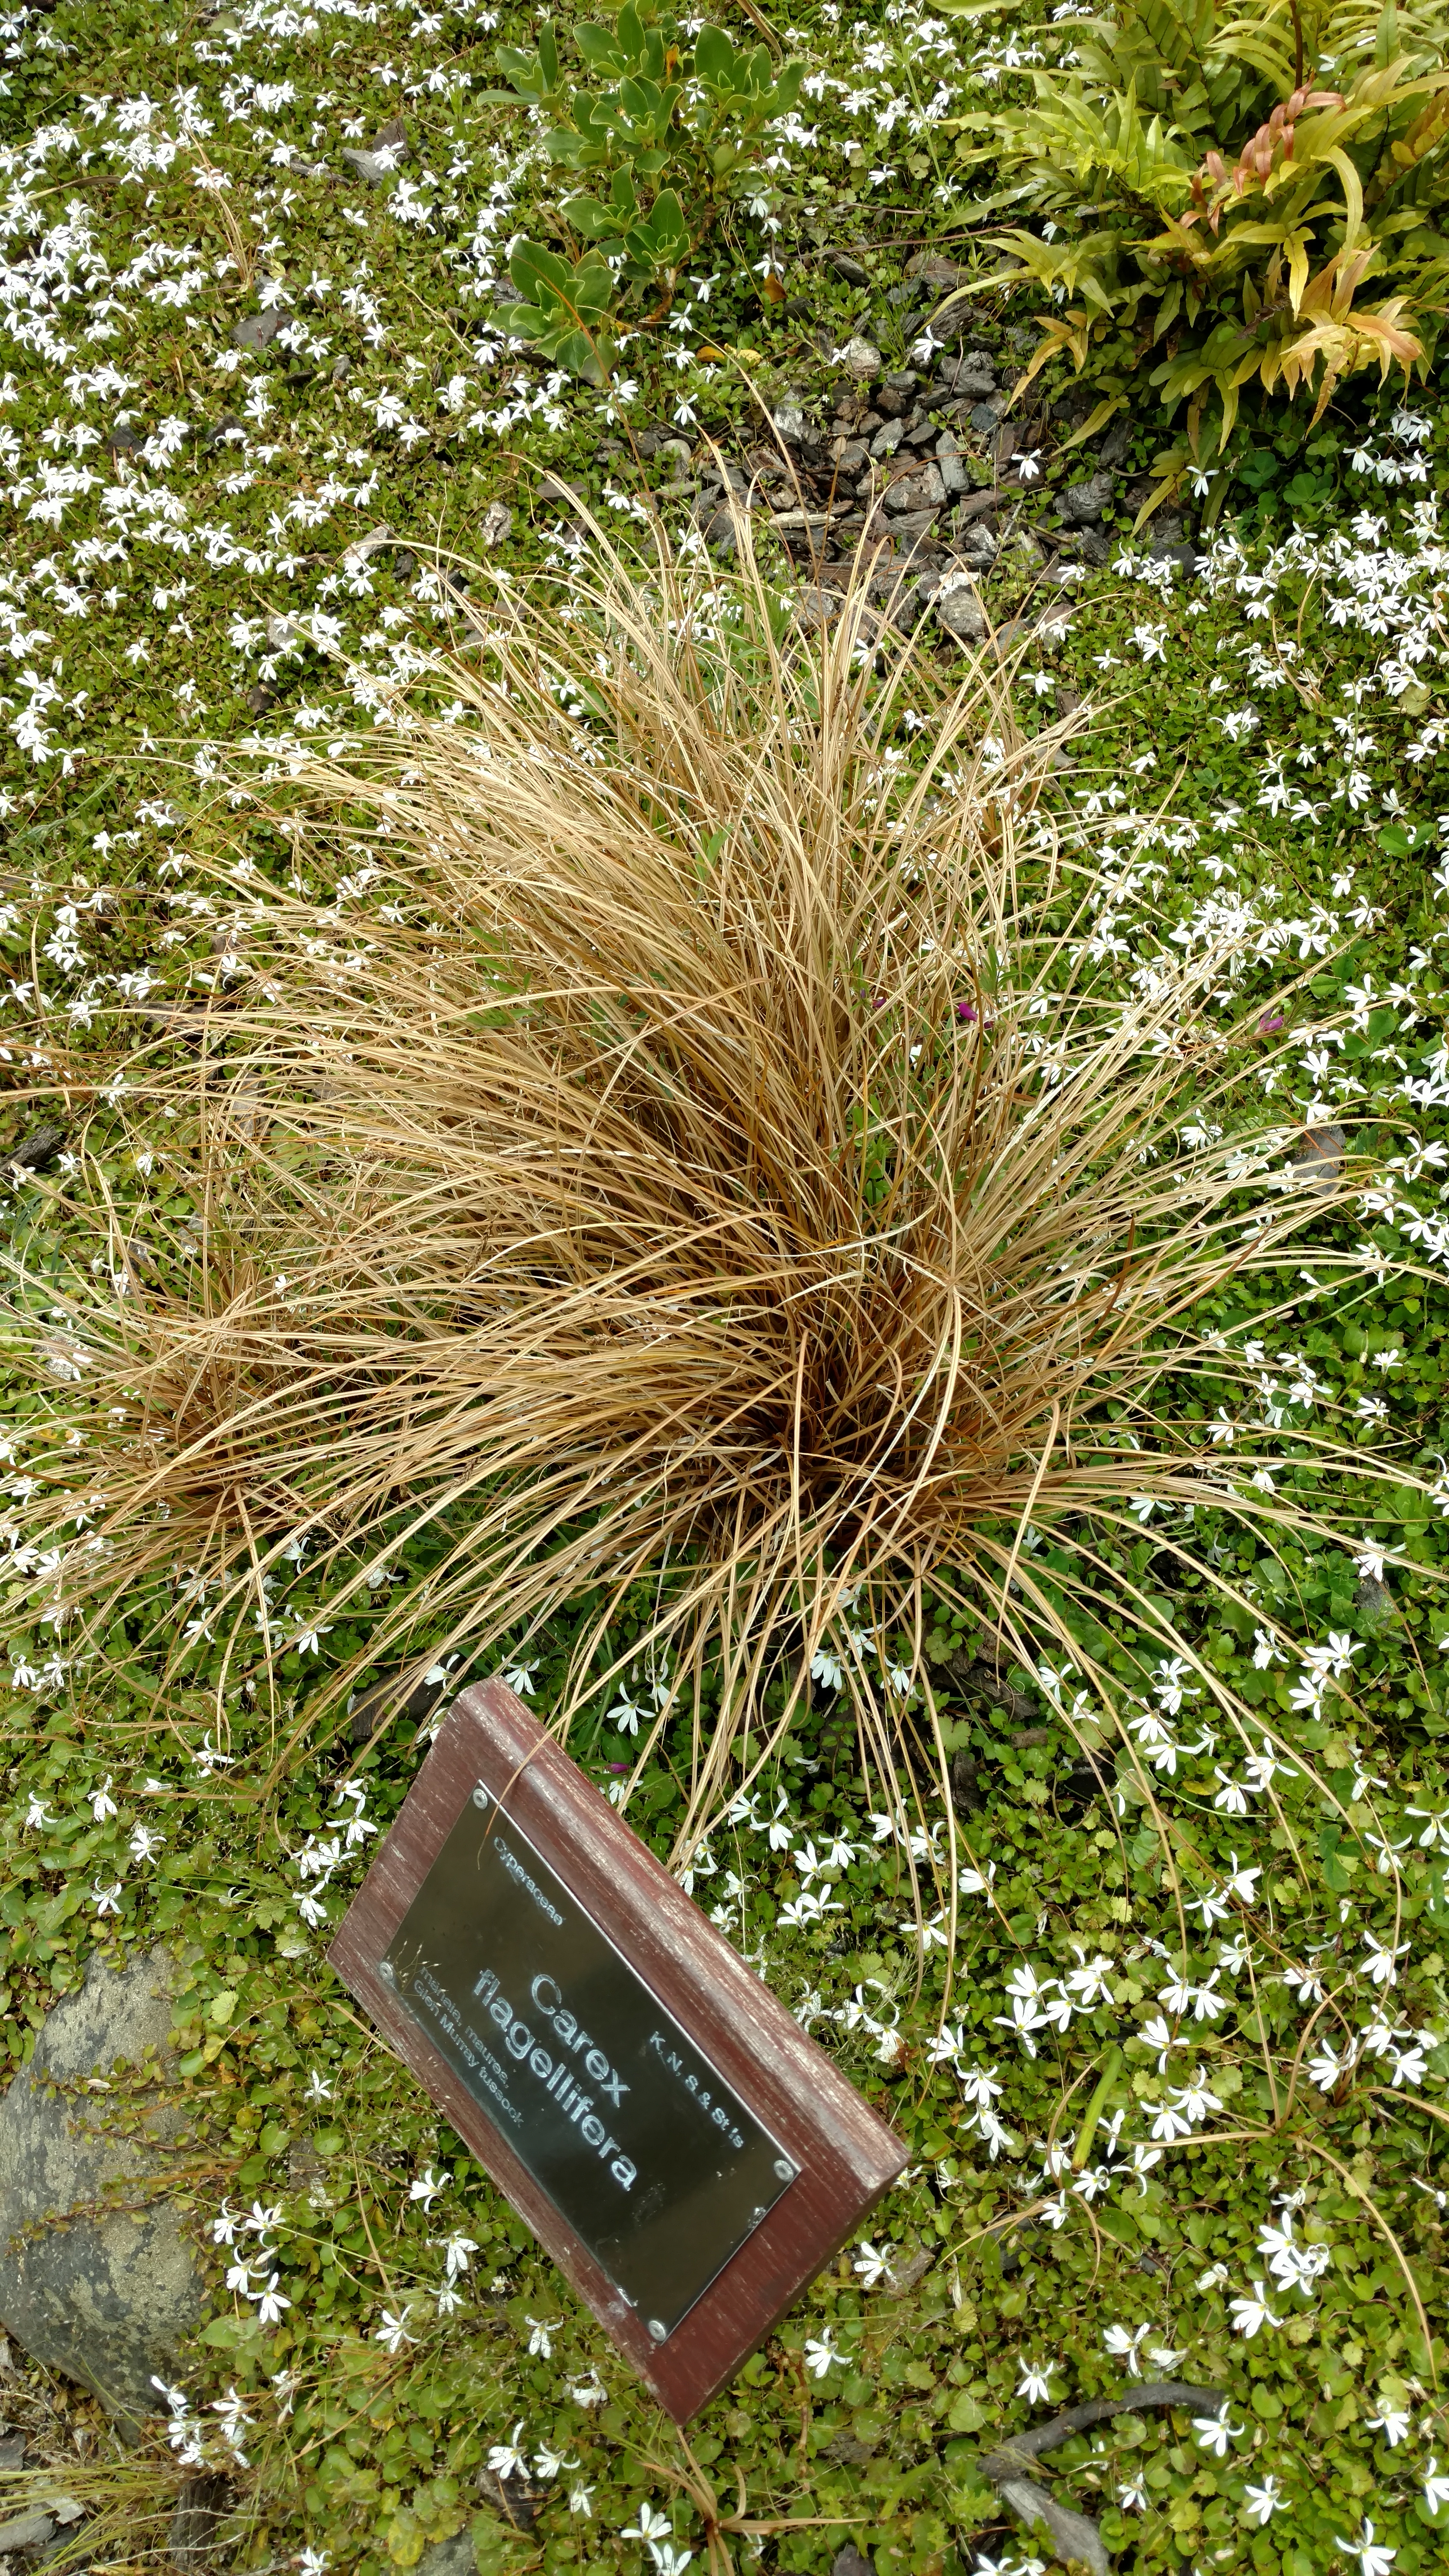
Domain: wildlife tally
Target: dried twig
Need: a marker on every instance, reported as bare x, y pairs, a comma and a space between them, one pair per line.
1075, 2534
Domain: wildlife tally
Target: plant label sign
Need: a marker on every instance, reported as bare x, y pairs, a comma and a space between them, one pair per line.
687, 2156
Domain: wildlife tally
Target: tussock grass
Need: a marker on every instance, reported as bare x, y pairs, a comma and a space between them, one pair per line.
716, 1162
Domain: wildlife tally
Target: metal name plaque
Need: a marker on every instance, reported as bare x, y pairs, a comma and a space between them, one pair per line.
655, 2163
680, 2146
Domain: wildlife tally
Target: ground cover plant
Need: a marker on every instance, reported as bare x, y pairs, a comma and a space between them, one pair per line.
386, 2360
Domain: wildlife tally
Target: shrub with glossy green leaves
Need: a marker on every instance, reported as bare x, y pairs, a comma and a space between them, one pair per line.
672, 140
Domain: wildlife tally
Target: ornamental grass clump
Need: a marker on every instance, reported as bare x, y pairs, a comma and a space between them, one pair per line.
697, 1143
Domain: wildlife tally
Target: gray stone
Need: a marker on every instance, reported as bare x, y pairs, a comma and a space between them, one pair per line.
455, 2557
860, 358
356, 555
27, 2530
257, 330
905, 530
389, 146
1374, 1601
111, 2296
556, 494
849, 2561
496, 527
1083, 503
978, 505
955, 480
960, 612
933, 269
1015, 632
789, 420
923, 491
817, 608
977, 547
1318, 1157
985, 417
1113, 450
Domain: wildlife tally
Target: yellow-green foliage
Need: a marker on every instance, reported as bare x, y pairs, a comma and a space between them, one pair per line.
1233, 198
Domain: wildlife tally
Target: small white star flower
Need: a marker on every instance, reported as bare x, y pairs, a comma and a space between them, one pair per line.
392, 2334
1251, 2312
1394, 2424
1262, 2502
1214, 2433
270, 2302
507, 2460
650, 2526
1373, 2558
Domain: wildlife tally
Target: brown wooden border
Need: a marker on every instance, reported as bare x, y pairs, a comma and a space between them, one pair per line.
845, 2154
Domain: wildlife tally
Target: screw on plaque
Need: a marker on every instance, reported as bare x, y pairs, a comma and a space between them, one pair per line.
784, 2169
659, 2333
386, 1970
757, 2216
480, 1796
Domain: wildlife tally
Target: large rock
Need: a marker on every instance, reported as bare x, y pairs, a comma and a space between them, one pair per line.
96, 2278
959, 610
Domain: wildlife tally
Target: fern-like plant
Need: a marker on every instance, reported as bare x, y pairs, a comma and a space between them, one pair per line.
1224, 200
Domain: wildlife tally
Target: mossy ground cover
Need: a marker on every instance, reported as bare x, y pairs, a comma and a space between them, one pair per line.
1259, 2195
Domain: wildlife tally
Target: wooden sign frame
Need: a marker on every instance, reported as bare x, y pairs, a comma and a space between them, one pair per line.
845, 2155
